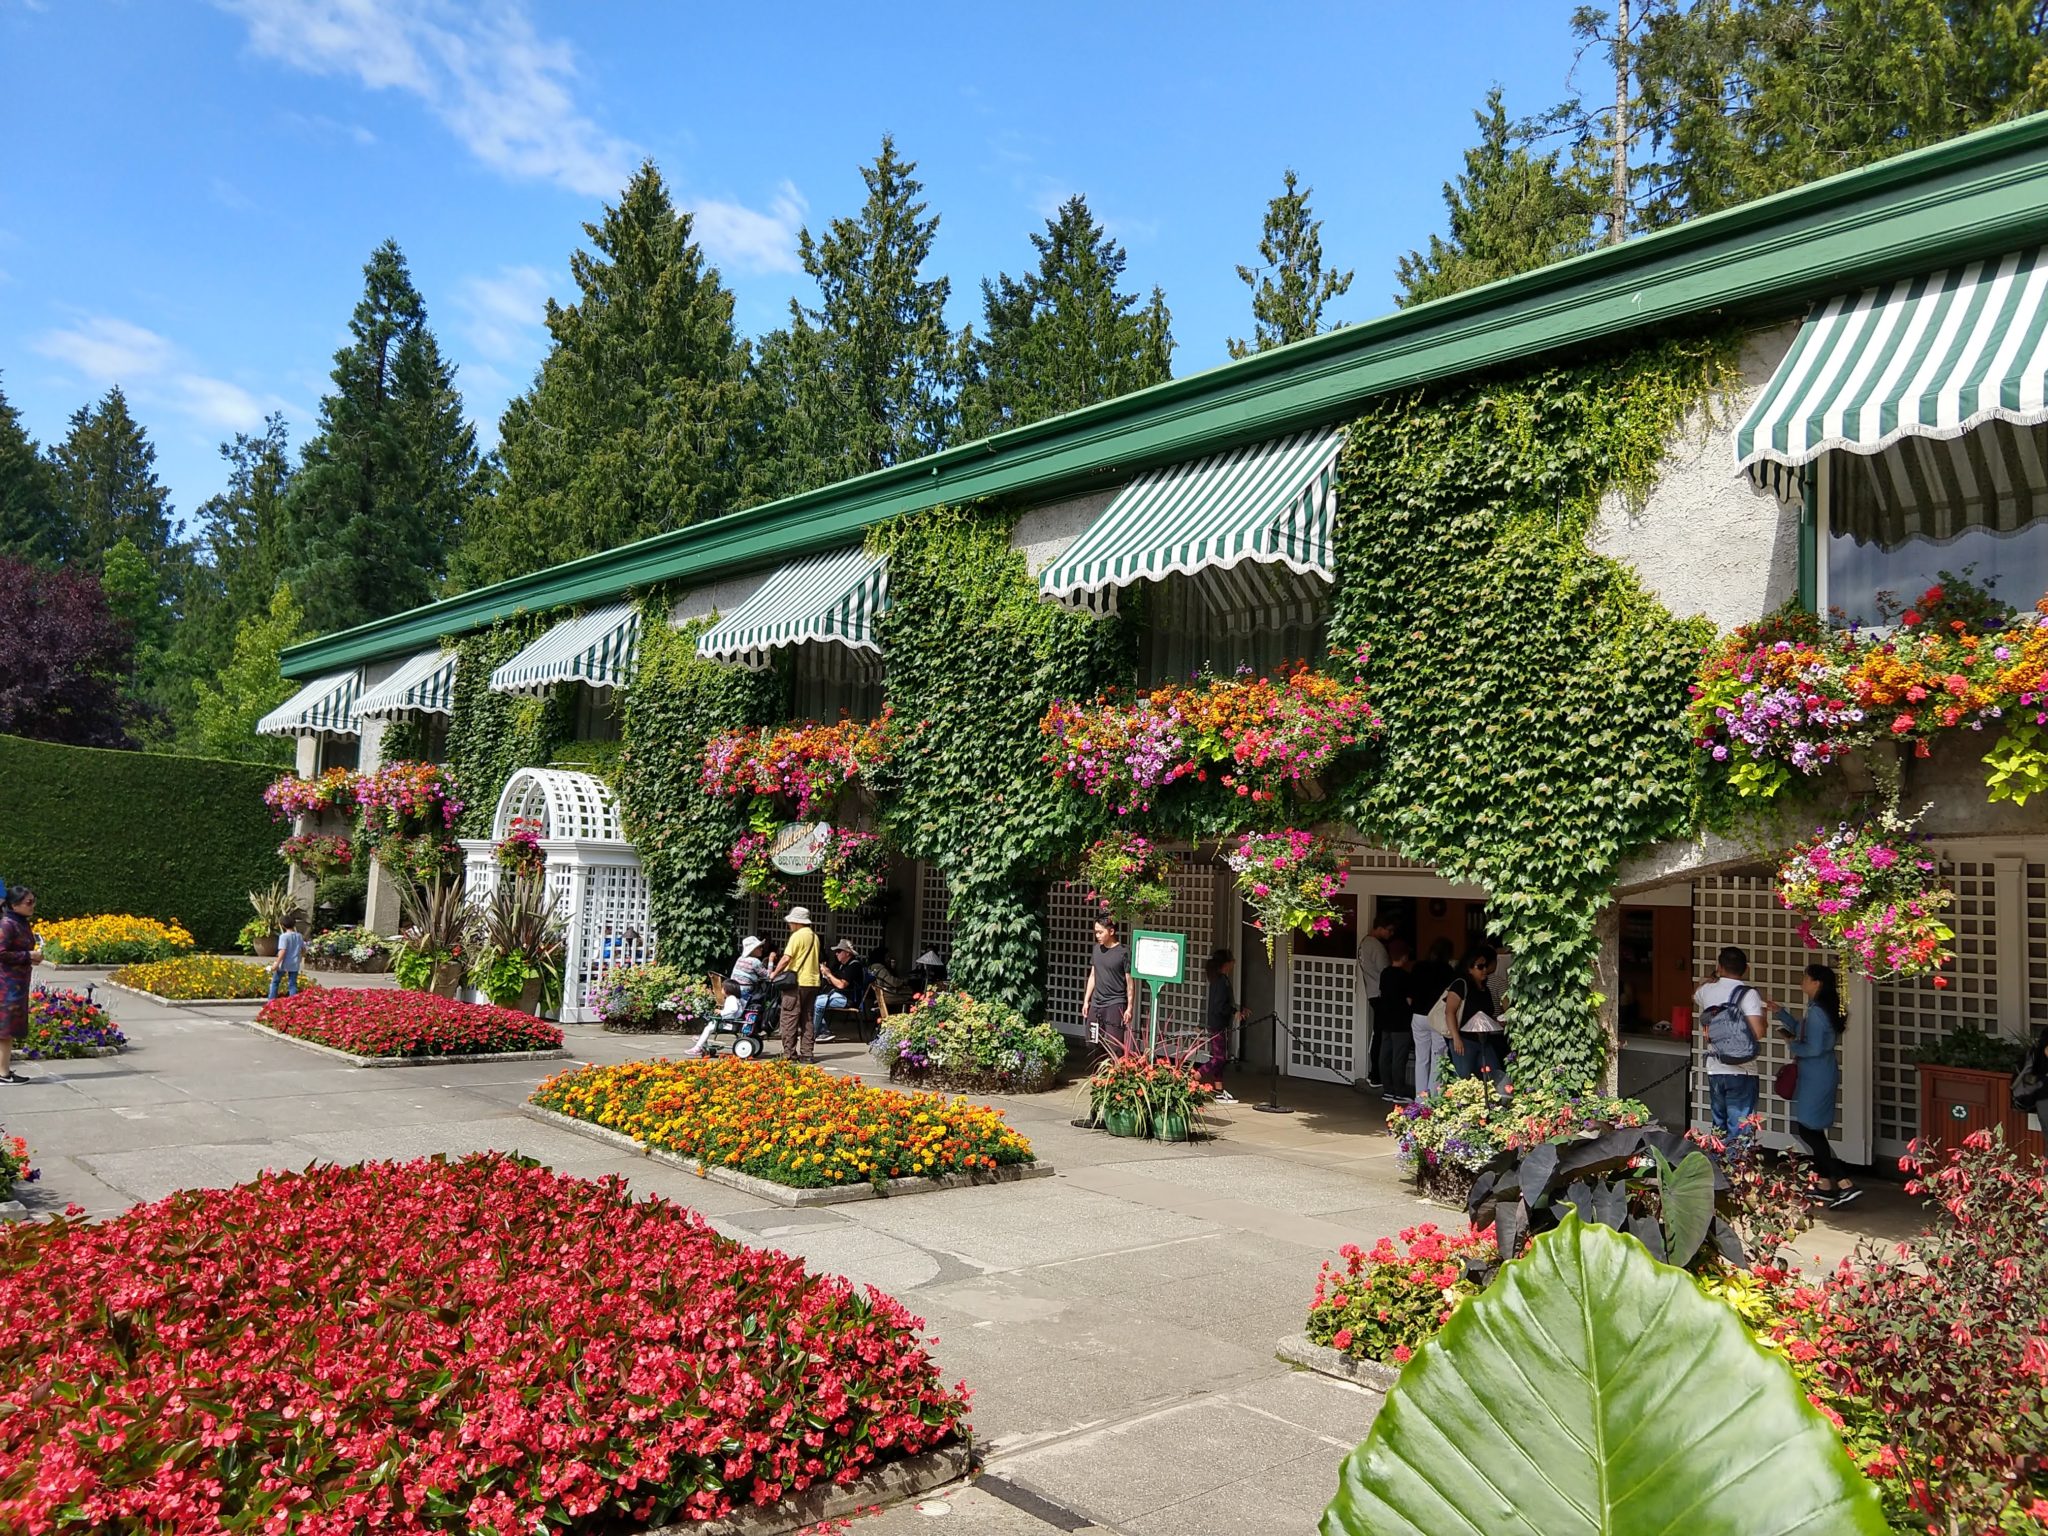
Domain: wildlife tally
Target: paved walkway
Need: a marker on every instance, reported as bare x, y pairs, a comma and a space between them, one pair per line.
1117, 1322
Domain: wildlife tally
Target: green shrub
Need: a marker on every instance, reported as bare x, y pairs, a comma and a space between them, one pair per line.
182, 839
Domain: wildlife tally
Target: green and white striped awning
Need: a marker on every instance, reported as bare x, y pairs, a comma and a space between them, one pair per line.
423, 685
326, 706
836, 596
1271, 503
598, 649
1925, 357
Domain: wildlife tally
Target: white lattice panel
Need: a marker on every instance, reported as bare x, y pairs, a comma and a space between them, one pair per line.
564, 804
1741, 910
934, 918
1322, 1017
2037, 946
1070, 935
1911, 1014
1381, 859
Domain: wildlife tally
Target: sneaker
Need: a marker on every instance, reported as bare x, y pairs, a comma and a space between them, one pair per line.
12, 1078
1224, 1096
1847, 1196
824, 1037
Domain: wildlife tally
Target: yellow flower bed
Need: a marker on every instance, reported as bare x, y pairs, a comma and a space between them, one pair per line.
111, 939
191, 978
795, 1125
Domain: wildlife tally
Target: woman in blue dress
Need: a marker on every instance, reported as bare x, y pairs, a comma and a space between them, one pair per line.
1814, 1033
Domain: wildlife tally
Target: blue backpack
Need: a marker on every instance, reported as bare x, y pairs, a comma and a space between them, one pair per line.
1728, 1034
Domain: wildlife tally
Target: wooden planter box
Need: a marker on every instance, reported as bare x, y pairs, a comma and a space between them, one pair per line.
1956, 1102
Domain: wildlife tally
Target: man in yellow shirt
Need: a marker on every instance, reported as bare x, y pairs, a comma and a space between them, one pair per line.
799, 958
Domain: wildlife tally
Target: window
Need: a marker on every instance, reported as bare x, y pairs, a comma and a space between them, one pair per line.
833, 680
600, 713
1974, 506
1251, 615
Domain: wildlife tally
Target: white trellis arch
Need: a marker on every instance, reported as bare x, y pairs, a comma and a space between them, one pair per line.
600, 888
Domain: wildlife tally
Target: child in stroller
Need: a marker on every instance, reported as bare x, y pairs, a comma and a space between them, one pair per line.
745, 1012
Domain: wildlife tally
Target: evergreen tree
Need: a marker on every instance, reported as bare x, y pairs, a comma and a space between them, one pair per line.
242, 528
386, 483
636, 421
868, 376
1062, 337
1289, 287
32, 526
1512, 210
227, 706
107, 490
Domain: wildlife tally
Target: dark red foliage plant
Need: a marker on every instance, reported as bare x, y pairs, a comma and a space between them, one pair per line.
387, 1021
67, 658
479, 1345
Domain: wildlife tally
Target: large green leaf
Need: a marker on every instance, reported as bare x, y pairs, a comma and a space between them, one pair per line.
1592, 1390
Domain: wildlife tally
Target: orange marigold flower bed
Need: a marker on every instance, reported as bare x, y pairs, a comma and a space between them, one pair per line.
791, 1124
479, 1345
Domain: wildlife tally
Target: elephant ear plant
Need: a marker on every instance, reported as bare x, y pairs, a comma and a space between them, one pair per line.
1642, 1180
1594, 1392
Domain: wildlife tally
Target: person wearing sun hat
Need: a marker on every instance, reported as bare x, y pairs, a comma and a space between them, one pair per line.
800, 962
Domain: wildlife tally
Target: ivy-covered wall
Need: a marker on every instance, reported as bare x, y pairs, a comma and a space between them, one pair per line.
1534, 693
974, 659
673, 705
491, 736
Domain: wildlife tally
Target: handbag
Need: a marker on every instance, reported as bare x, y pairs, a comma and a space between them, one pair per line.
1438, 1020
1786, 1083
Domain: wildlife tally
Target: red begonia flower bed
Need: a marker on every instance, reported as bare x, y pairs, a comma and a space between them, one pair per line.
385, 1021
480, 1345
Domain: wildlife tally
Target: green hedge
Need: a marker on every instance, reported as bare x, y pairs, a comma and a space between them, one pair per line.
174, 838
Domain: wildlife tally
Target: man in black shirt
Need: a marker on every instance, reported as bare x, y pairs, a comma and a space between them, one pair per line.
1392, 1009
846, 985
1109, 999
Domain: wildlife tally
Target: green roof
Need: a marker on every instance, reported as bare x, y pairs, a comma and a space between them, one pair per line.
1974, 196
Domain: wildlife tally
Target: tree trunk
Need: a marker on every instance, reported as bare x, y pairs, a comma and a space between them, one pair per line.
1617, 198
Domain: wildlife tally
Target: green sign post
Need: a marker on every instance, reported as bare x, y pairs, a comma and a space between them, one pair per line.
1156, 959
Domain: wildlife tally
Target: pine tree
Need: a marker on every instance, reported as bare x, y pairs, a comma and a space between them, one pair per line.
227, 706
1512, 210
107, 490
636, 422
1062, 337
386, 483
1289, 287
32, 526
867, 377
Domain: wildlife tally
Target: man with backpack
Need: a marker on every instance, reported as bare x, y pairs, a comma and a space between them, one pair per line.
1732, 1014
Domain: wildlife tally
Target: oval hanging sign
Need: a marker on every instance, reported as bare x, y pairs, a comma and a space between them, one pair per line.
799, 848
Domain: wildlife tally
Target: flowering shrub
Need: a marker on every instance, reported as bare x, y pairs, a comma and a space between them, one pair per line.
111, 939
200, 978
478, 1345
1290, 879
519, 849
636, 997
1385, 1302
952, 1040
292, 796
64, 1024
1780, 701
854, 868
405, 798
1466, 1122
805, 765
791, 1124
386, 1021
1870, 892
1261, 737
1127, 875
1767, 1200
319, 854
1937, 1348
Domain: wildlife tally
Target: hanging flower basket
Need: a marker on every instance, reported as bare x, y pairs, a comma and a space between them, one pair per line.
519, 852
757, 876
318, 854
1872, 892
1290, 879
855, 870
803, 766
406, 799
1127, 876
290, 797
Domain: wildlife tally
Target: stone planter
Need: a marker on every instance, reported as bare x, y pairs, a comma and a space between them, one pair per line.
447, 979
1956, 1102
529, 995
266, 949
1444, 1185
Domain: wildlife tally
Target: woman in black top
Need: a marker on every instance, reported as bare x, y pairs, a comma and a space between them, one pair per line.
1392, 1010
1220, 1013
1468, 1001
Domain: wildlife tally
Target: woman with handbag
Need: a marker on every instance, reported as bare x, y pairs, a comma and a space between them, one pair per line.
1478, 1044
1810, 1078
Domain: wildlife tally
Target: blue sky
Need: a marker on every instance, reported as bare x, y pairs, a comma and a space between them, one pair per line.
191, 189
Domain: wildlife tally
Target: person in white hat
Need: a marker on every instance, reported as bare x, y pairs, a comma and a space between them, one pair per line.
749, 974
800, 960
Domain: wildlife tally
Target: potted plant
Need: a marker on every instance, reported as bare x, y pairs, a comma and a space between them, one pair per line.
855, 866
1290, 879
1127, 876
515, 943
1966, 1086
1116, 1094
1133, 1094
435, 937
273, 907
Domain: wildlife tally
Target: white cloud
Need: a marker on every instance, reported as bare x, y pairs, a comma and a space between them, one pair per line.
104, 350
742, 236
502, 315
499, 86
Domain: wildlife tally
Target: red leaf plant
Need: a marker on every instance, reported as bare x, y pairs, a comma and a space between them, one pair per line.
481, 1345
386, 1021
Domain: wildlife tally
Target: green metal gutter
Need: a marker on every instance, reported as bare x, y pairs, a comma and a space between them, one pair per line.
1974, 196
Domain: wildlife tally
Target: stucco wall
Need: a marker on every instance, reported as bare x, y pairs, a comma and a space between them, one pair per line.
1706, 541
1044, 533
719, 597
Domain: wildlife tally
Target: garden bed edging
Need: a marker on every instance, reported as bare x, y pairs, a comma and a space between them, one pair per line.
559, 1053
1299, 1349
784, 1194
890, 1483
